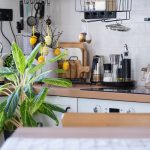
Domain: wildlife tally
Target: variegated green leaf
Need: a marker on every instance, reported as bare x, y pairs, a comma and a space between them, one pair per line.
40, 77
19, 58
29, 91
2, 115
27, 119
2, 119
33, 54
2, 105
59, 71
58, 82
59, 57
5, 71
33, 69
39, 100
45, 109
12, 103
4, 87
11, 77
55, 107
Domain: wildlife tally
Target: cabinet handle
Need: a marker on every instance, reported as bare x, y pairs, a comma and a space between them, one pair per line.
68, 109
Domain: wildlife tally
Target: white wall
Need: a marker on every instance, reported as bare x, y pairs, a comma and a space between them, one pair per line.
105, 41
9, 4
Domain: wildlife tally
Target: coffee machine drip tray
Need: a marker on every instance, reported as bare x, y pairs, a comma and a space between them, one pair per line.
121, 90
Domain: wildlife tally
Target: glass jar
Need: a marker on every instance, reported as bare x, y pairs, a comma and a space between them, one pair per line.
107, 73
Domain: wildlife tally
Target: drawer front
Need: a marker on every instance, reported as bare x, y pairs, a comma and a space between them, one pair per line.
108, 106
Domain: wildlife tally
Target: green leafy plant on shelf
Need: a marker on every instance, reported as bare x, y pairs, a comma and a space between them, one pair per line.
23, 101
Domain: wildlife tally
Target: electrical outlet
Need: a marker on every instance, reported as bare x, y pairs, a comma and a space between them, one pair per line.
6, 15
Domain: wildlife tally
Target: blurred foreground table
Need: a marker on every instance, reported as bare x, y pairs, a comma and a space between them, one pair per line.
79, 139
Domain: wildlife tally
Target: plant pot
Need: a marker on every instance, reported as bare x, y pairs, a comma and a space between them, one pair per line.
7, 134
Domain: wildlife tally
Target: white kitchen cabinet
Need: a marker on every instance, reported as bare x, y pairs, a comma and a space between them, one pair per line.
107, 106
64, 102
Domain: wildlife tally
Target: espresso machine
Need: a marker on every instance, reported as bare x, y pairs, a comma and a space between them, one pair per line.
97, 69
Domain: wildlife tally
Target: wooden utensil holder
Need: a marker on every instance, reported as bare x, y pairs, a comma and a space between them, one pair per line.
82, 69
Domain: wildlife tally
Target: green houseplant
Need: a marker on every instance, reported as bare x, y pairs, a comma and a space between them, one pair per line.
22, 102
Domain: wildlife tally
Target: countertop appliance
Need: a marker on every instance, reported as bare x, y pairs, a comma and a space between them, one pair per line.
97, 69
114, 60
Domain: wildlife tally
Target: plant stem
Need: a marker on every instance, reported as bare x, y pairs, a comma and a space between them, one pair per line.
5, 93
17, 79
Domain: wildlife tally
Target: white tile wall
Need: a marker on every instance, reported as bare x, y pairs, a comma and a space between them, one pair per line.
105, 41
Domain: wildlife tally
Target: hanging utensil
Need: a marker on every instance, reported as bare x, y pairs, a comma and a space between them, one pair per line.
31, 20
42, 10
82, 35
20, 24
39, 7
118, 27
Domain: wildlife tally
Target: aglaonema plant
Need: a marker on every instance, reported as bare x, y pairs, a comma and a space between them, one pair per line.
22, 102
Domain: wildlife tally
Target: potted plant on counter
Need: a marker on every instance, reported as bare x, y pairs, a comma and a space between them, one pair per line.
22, 101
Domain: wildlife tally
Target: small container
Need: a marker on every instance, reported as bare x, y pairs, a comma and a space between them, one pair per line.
107, 73
126, 65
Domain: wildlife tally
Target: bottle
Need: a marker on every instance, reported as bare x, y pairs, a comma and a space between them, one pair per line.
119, 71
126, 65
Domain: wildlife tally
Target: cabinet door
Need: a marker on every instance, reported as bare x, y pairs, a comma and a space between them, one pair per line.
107, 106
64, 102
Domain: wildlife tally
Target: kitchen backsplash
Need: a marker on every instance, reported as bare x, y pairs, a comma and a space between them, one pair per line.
105, 41
10, 4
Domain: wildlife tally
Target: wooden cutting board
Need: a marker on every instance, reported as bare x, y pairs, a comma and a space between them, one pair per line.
76, 70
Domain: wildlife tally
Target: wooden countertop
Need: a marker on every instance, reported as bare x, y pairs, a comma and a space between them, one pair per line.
111, 132
76, 92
